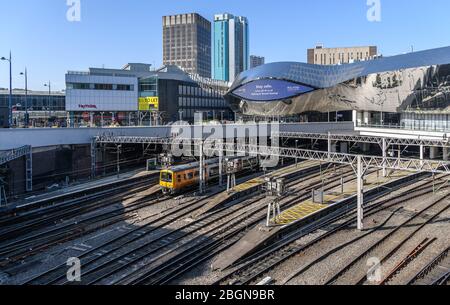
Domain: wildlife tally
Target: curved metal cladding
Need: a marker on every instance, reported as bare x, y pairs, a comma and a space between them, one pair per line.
389, 84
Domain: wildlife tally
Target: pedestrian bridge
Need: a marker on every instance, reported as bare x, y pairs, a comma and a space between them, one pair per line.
45, 137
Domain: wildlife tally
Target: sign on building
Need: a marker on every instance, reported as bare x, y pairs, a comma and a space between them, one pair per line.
148, 103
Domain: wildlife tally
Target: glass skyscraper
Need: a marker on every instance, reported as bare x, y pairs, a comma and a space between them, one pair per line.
231, 46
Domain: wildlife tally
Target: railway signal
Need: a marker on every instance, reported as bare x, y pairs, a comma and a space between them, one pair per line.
274, 188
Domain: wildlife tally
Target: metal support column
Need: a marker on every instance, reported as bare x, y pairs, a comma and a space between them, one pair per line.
119, 147
3, 198
93, 158
29, 170
202, 169
421, 154
329, 145
360, 191
385, 148
445, 153
273, 211
220, 163
91, 119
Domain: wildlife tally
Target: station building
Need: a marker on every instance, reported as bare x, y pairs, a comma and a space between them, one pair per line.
410, 91
137, 95
44, 109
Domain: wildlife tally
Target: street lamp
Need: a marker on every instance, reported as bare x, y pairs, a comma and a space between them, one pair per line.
49, 85
27, 119
10, 90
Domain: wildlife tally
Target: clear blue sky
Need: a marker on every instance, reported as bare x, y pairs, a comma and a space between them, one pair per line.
114, 32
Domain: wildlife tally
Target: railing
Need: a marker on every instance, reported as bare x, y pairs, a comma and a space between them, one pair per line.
404, 127
13, 154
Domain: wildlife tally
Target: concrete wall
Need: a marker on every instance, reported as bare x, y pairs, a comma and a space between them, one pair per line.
14, 138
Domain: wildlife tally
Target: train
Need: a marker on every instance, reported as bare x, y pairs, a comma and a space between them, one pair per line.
180, 178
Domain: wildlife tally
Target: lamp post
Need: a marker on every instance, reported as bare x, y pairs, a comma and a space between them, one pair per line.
27, 118
10, 90
49, 85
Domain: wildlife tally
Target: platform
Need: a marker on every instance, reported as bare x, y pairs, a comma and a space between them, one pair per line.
252, 185
81, 187
308, 207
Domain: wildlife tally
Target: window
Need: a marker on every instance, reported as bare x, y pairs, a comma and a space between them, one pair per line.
78, 86
166, 177
125, 87
103, 87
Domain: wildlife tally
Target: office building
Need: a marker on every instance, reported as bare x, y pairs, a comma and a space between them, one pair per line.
231, 46
335, 56
256, 61
187, 43
137, 95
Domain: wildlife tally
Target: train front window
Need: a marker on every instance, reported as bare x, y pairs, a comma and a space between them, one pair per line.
166, 177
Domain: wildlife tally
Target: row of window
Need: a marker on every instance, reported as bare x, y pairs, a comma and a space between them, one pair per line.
88, 86
190, 113
37, 103
336, 58
197, 92
199, 102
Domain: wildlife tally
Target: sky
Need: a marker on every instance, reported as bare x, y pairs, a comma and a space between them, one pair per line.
112, 33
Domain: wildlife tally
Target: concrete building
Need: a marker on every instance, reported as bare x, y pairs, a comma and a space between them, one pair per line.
44, 110
256, 61
137, 95
335, 56
187, 43
231, 46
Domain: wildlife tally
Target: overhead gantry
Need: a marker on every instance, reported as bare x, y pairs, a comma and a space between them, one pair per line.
359, 163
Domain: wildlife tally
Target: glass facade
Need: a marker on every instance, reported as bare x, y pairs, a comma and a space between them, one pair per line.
415, 82
148, 87
231, 46
192, 99
35, 102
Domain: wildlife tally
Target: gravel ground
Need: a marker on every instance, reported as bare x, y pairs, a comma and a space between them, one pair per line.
323, 271
202, 274
59, 254
438, 229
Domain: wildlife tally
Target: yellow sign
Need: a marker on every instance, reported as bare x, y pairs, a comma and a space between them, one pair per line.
150, 103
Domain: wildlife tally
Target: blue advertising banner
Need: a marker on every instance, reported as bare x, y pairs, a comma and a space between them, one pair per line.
270, 90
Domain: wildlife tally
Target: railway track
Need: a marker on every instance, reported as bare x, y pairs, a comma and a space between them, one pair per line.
14, 226
267, 259
408, 259
21, 248
208, 232
186, 259
56, 275
63, 201
437, 272
355, 271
